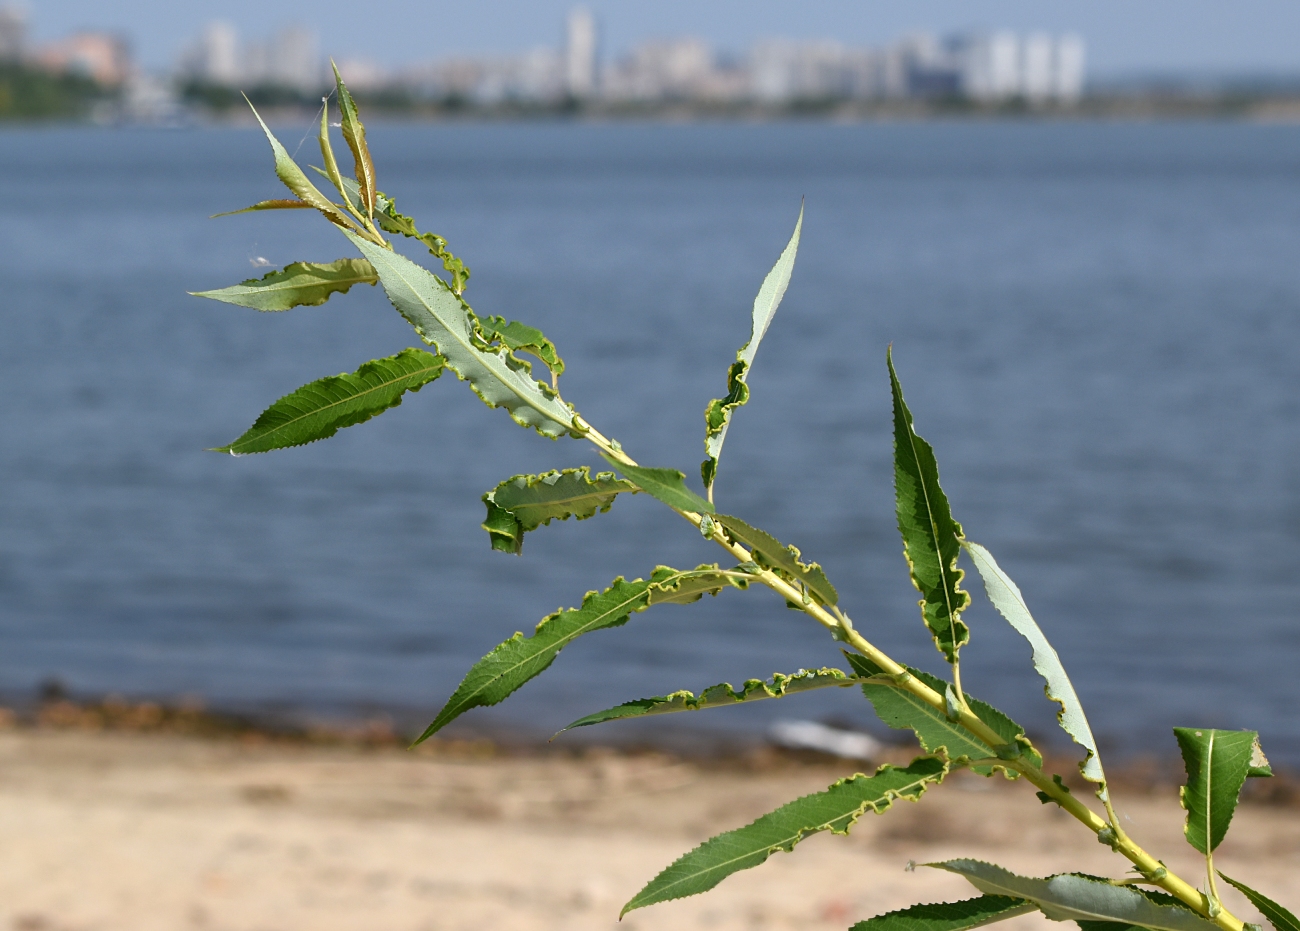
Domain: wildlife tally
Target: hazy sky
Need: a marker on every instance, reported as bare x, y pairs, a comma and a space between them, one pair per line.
1122, 35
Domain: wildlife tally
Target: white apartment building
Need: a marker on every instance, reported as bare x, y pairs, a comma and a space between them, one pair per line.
1001, 65
13, 33
580, 53
290, 58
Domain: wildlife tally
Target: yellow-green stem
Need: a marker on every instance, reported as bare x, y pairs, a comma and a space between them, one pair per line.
842, 627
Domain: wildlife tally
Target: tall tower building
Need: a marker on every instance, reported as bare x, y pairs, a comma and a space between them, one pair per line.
217, 54
295, 59
1068, 74
13, 33
580, 53
1038, 67
990, 66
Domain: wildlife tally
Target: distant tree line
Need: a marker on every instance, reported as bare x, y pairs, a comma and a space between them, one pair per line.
28, 93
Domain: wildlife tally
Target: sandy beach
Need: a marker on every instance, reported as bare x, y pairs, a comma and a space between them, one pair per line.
106, 830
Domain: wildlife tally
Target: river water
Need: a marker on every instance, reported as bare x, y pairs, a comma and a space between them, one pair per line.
1097, 326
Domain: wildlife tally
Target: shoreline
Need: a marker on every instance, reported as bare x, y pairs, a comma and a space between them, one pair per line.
193, 720
1264, 109
142, 830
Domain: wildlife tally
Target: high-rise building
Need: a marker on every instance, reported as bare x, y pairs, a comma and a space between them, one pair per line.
287, 59
990, 65
1069, 71
214, 58
1038, 67
293, 60
781, 71
580, 53
13, 33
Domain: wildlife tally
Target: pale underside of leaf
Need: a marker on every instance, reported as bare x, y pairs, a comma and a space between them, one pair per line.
935, 731
770, 553
321, 408
667, 485
300, 284
1217, 764
835, 810
949, 916
931, 538
721, 696
1279, 917
513, 663
717, 416
526, 502
1006, 597
1070, 897
441, 319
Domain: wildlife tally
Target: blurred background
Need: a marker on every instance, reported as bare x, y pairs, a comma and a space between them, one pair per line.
1077, 226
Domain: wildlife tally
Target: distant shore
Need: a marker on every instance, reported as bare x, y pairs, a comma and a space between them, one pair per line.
1125, 107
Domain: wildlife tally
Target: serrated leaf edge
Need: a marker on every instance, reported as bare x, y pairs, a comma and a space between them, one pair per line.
714, 696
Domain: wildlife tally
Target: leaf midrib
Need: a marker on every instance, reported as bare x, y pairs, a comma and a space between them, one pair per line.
361, 394
801, 833
289, 285
1209, 800
936, 716
563, 502
463, 341
560, 643
934, 533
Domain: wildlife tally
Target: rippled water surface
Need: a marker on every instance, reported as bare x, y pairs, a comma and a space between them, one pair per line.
1097, 327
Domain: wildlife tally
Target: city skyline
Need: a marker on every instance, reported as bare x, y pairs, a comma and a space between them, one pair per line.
1159, 35
981, 66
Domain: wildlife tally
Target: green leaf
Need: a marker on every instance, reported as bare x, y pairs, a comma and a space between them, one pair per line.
519, 337
525, 502
717, 416
1159, 898
769, 553
519, 659
1070, 897
442, 320
835, 810
355, 135
949, 916
322, 408
1006, 597
1278, 917
331, 170
1217, 763
287, 170
267, 205
902, 710
391, 221
300, 284
720, 696
931, 538
668, 485
689, 587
